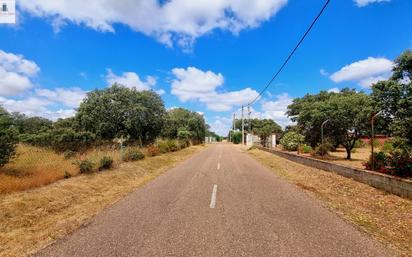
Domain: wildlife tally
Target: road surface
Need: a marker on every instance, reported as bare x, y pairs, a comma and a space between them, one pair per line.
221, 202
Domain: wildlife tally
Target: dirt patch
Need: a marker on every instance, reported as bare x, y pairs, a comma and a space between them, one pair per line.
32, 219
386, 217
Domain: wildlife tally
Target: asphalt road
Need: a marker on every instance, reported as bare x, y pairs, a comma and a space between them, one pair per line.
220, 202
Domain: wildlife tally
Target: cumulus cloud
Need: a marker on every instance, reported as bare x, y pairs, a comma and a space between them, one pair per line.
363, 3
197, 85
334, 90
70, 97
173, 21
221, 125
130, 80
365, 72
323, 72
16, 73
276, 109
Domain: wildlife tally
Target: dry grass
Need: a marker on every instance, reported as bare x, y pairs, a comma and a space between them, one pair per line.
386, 217
32, 219
358, 157
35, 167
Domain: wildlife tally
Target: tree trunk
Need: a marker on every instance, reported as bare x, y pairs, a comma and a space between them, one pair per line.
348, 153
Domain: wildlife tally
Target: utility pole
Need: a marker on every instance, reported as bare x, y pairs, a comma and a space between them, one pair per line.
243, 127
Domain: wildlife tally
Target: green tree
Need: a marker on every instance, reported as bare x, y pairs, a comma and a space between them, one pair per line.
8, 137
180, 121
265, 128
394, 97
348, 113
119, 111
30, 125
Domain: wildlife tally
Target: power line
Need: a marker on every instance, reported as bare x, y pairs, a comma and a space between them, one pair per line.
291, 54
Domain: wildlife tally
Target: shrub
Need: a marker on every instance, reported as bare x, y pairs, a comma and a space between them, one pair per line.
86, 166
291, 141
162, 146
359, 144
387, 147
305, 149
60, 140
69, 154
237, 137
169, 145
172, 145
106, 163
380, 162
67, 174
152, 150
323, 149
133, 155
8, 137
400, 162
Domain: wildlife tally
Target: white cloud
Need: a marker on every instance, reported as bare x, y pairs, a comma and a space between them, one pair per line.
334, 90
70, 97
323, 72
221, 125
179, 21
276, 110
365, 72
197, 85
362, 3
130, 80
17, 63
15, 73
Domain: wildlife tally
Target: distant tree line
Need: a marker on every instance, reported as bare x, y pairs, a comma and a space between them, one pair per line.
106, 114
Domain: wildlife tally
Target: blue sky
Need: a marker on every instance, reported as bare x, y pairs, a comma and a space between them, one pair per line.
207, 56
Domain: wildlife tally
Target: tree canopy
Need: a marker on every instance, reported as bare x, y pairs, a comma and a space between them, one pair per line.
348, 113
119, 111
8, 137
394, 97
184, 124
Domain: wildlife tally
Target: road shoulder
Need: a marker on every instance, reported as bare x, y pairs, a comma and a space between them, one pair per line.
385, 217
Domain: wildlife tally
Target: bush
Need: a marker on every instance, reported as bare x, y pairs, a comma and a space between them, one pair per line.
60, 140
184, 143
8, 137
86, 166
323, 149
359, 144
69, 154
291, 141
237, 137
152, 150
305, 149
380, 162
133, 155
106, 163
387, 147
67, 175
400, 162
172, 145
168, 145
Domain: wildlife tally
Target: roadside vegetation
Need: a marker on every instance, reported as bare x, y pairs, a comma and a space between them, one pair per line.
346, 117
386, 217
111, 125
33, 219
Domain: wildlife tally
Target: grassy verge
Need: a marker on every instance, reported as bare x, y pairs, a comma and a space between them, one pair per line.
35, 218
388, 218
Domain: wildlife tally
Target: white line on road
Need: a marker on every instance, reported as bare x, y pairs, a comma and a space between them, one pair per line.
213, 199
218, 166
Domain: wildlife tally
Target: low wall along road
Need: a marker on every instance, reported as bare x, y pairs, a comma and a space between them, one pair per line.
398, 186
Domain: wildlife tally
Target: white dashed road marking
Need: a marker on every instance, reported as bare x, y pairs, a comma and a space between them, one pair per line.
213, 199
